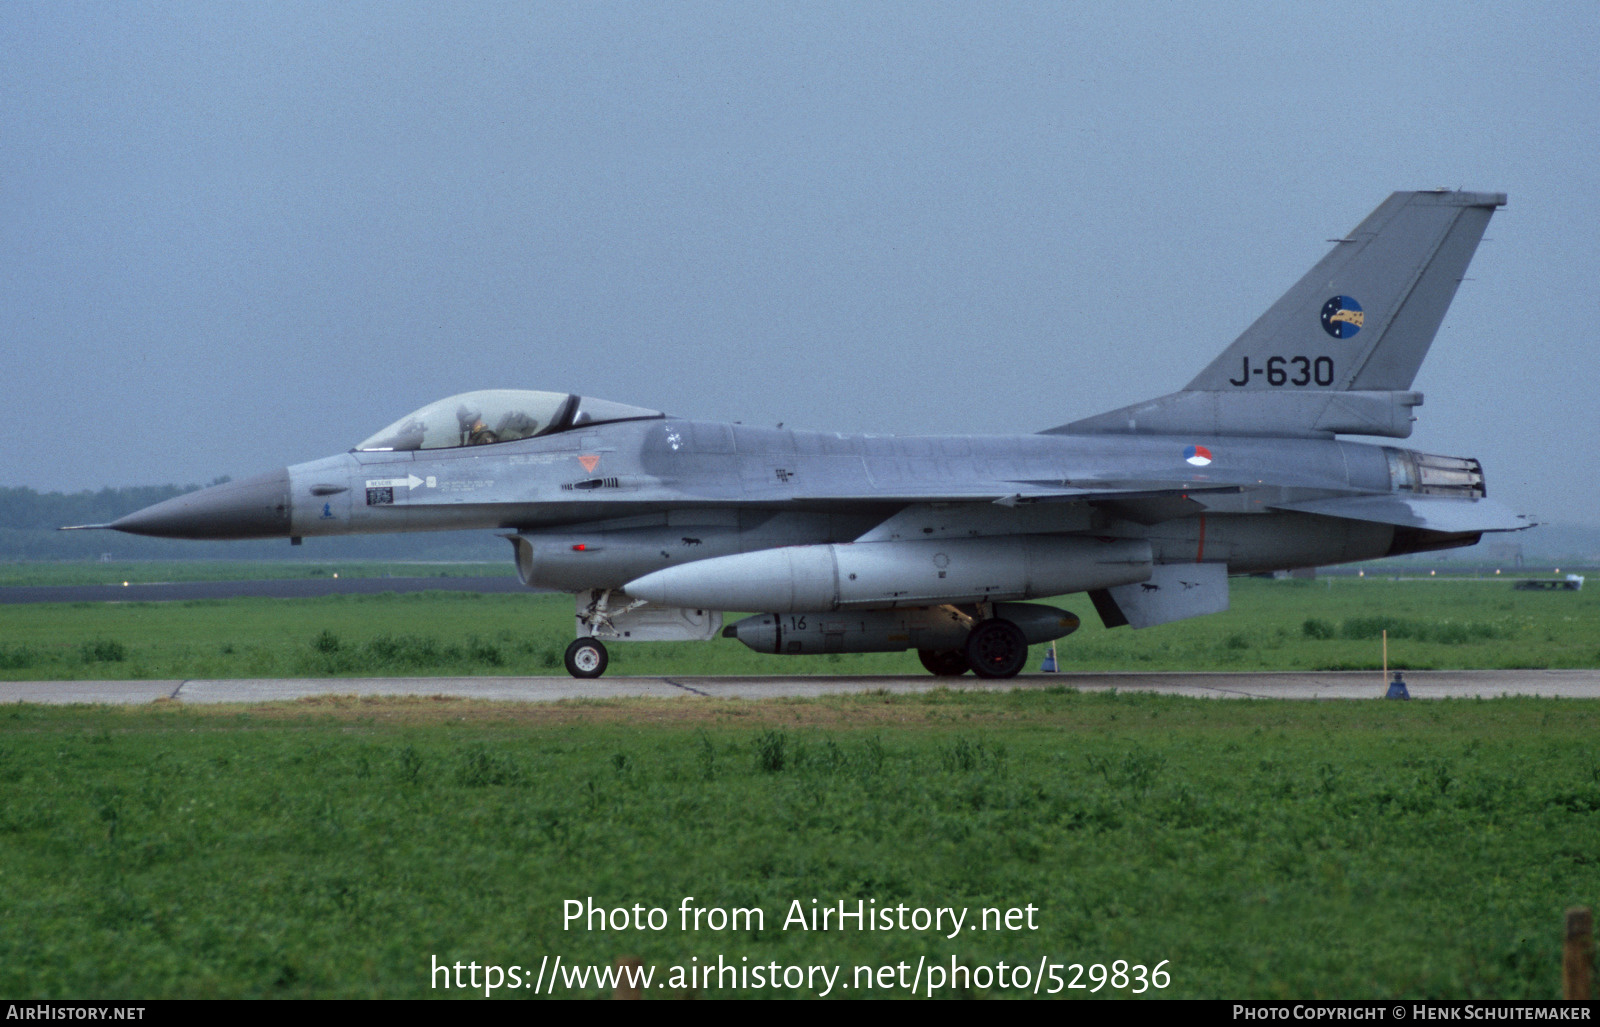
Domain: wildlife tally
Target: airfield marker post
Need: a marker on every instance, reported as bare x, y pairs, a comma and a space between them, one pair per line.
1577, 955
1397, 685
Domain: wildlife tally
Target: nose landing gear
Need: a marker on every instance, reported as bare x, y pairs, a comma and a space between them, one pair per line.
586, 658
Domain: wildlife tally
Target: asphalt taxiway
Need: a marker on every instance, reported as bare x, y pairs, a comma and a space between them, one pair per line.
1460, 684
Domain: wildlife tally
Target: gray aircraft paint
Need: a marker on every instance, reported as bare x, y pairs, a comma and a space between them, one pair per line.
657, 523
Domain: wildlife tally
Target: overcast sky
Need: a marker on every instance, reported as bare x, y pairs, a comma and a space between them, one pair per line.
237, 236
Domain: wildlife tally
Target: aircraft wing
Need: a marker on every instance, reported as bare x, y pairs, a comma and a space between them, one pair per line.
1430, 513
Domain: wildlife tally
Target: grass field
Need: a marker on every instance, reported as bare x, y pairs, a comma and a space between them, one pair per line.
333, 848
1331, 624
1263, 849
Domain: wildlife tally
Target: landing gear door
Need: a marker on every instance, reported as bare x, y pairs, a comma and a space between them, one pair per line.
650, 623
1175, 591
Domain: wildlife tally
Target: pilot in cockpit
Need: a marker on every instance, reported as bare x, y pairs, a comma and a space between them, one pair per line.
474, 430
480, 434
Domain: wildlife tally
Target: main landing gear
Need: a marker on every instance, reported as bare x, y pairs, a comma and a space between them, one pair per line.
995, 649
944, 663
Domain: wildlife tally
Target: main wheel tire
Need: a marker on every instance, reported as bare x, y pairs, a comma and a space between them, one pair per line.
944, 663
996, 649
586, 658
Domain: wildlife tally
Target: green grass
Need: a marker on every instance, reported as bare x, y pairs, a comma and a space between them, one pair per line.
1264, 849
1334, 624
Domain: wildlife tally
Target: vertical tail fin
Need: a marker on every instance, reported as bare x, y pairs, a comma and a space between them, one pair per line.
1339, 350
1373, 304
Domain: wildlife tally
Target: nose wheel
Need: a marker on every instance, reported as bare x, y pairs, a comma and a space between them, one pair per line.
586, 658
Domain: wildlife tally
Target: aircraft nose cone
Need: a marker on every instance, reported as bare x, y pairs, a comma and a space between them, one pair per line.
256, 507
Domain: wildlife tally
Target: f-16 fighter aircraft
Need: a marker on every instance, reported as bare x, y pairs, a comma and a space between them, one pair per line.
878, 543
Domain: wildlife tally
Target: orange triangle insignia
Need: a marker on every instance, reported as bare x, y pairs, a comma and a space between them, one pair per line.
589, 461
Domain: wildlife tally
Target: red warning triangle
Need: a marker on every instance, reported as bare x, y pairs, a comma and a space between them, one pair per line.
589, 461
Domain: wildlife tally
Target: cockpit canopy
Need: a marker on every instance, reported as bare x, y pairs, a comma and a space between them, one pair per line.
497, 415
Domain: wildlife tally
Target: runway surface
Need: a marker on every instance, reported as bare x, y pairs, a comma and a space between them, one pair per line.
1468, 684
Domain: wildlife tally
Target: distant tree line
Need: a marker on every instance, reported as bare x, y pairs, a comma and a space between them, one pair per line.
24, 509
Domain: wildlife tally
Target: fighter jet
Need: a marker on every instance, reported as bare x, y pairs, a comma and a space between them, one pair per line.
879, 543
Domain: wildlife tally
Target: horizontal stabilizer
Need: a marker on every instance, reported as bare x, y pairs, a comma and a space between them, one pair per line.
1428, 513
